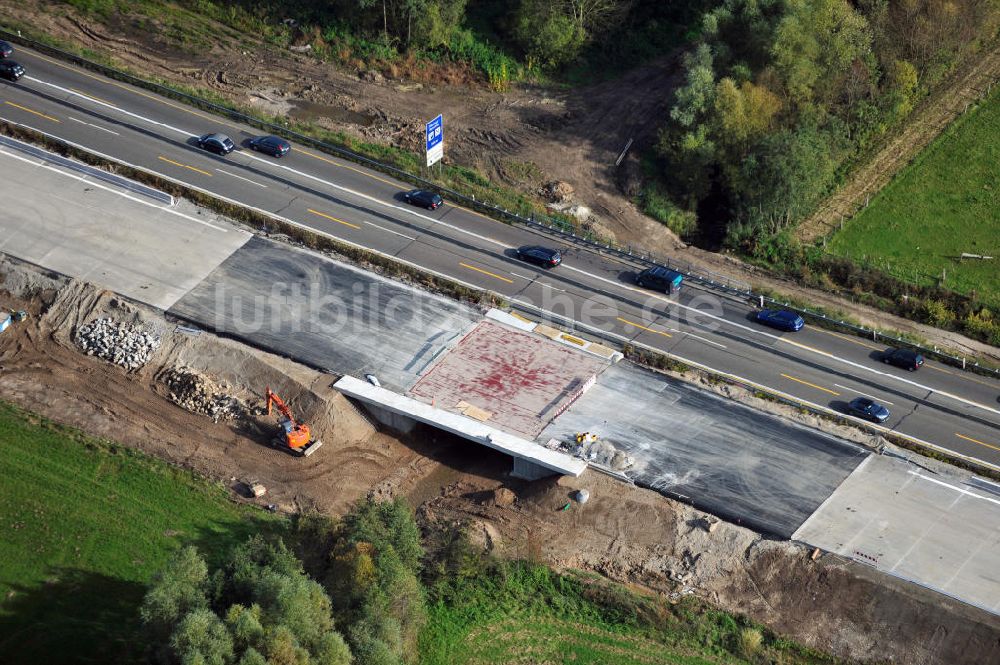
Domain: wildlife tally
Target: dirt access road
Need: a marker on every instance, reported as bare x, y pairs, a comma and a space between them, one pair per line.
628, 534
524, 138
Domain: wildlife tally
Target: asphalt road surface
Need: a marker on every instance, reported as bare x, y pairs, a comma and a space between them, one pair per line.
941, 405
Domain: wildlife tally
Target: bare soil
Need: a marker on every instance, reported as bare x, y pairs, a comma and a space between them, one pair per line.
524, 138
625, 533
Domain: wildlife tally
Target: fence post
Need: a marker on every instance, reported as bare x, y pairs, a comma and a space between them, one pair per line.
963, 362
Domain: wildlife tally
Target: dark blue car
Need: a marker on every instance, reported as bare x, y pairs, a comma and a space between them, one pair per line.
868, 409
781, 319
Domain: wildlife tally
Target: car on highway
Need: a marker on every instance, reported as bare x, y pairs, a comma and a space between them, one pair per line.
868, 409
270, 145
658, 278
220, 144
905, 358
6, 50
10, 70
543, 256
423, 198
782, 319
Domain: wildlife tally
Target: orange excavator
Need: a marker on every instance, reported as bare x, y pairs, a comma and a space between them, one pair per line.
297, 436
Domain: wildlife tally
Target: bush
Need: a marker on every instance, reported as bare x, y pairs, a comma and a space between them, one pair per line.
658, 205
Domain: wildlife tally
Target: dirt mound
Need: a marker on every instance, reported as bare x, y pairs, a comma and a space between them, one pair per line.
44, 370
638, 537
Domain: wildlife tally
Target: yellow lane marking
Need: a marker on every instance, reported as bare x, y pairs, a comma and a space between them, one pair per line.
811, 385
87, 94
847, 339
638, 325
969, 438
25, 108
486, 272
939, 369
127, 88
185, 166
334, 219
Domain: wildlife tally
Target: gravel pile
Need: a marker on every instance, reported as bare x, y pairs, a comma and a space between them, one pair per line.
196, 392
125, 344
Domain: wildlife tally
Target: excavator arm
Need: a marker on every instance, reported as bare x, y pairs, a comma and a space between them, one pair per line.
298, 436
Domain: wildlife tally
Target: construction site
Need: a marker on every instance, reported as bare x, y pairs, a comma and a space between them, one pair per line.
301, 383
200, 401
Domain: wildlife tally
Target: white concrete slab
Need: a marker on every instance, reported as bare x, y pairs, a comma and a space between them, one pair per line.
462, 426
91, 230
939, 531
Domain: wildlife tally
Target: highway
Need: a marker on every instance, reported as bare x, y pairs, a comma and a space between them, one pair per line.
940, 405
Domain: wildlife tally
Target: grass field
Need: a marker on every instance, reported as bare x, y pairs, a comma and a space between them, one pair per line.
84, 524
523, 613
945, 203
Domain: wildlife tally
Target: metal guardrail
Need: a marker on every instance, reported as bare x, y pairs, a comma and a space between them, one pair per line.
85, 169
552, 226
890, 340
549, 225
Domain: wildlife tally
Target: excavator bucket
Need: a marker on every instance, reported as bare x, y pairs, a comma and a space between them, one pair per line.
311, 448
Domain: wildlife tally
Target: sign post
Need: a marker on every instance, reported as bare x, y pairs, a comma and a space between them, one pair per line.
435, 140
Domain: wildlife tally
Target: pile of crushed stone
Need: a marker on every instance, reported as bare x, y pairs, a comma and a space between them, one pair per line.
125, 344
196, 392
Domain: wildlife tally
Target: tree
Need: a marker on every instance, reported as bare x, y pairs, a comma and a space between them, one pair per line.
272, 611
202, 638
548, 36
743, 113
175, 591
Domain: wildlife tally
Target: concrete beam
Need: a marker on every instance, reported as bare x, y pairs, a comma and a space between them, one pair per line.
539, 457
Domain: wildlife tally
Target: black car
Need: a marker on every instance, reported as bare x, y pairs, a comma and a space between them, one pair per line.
6, 50
904, 358
220, 144
543, 256
868, 409
10, 70
660, 279
271, 145
423, 198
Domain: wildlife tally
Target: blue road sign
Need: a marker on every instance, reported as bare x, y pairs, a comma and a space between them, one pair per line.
435, 140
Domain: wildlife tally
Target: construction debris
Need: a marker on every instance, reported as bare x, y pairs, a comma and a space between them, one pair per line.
124, 344
581, 496
588, 447
196, 392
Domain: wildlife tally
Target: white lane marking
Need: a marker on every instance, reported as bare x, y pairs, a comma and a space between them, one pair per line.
382, 228
110, 106
92, 183
620, 338
487, 239
272, 164
241, 178
90, 124
960, 490
878, 399
763, 333
525, 277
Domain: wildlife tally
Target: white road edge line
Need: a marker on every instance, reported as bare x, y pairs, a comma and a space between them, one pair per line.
879, 399
621, 338
476, 235
92, 183
795, 344
960, 490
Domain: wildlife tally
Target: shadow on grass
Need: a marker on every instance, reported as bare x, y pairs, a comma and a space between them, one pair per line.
83, 616
77, 616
